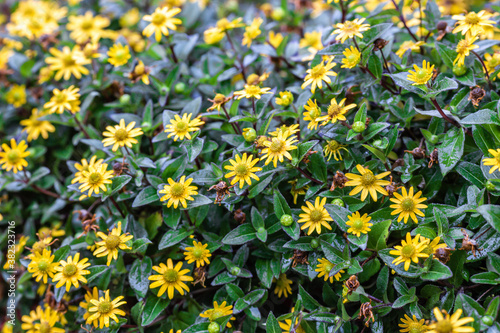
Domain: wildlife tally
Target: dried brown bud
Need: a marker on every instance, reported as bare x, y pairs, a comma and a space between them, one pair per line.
433, 158
299, 257
476, 95
339, 181
441, 25
352, 284
365, 312
222, 190
398, 162
417, 153
391, 188
443, 255
239, 216
379, 44
305, 159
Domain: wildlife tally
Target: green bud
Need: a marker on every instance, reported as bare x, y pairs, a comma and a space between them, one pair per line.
249, 134
180, 88
314, 243
235, 270
338, 202
459, 70
434, 139
125, 99
261, 230
278, 14
286, 220
490, 186
213, 327
232, 6
487, 320
164, 90
358, 126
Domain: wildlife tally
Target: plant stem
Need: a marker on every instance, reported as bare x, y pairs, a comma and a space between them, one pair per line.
81, 127
117, 207
235, 125
401, 17
44, 191
484, 66
308, 176
242, 68
448, 119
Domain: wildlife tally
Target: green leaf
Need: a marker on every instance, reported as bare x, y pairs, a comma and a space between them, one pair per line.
494, 262
378, 234
491, 278
171, 216
153, 308
375, 32
441, 221
303, 149
257, 188
95, 272
272, 325
257, 220
173, 237
375, 66
361, 113
242, 234
437, 271
280, 205
249, 299
140, 245
491, 214
441, 84
62, 253
146, 196
308, 301
483, 139
379, 154
472, 172
402, 301
484, 116
118, 183
264, 272
138, 276
451, 150
447, 54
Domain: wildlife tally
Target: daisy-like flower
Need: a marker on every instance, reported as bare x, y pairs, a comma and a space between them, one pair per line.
18, 250
433, 246
283, 286
177, 192
315, 216
421, 75
95, 178
111, 243
359, 224
71, 272
252, 91
170, 278
313, 114
450, 324
218, 311
367, 182
42, 265
161, 20
472, 23
224, 24
412, 325
408, 45
104, 309
285, 99
242, 169
13, 157
118, 55
90, 295
287, 326
408, 205
140, 72
121, 135
16, 95
296, 191
218, 102
252, 31
350, 29
312, 40
86, 27
409, 250
352, 57
66, 99
325, 267
68, 62
5, 54
84, 166
34, 126
292, 129
333, 148
182, 127
275, 39
198, 253
213, 35
491, 62
463, 49
319, 73
337, 111
42, 321
278, 147
494, 161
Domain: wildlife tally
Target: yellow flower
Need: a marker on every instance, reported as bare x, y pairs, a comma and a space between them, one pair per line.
34, 126
319, 73
118, 55
359, 224
325, 267
90, 295
161, 20
44, 242
493, 161
351, 57
18, 250
71, 272
409, 251
463, 49
473, 23
16, 95
412, 325
275, 39
130, 18
296, 191
283, 286
85, 167
433, 246
408, 45
111, 243
170, 278
67, 62
53, 230
178, 192
242, 169
218, 102
140, 72
313, 114
450, 324
134, 39
198, 253
312, 40
224, 24
492, 61
287, 326
66, 99
213, 35
350, 29
42, 265
121, 135
278, 147
181, 127
252, 31
12, 158
367, 182
5, 54
292, 129
44, 75
408, 205
336, 111
421, 75
285, 99
218, 311
42, 321
333, 148
86, 27
252, 91
315, 216
104, 309
95, 178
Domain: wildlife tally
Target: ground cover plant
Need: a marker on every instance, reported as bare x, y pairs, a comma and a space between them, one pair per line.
222, 166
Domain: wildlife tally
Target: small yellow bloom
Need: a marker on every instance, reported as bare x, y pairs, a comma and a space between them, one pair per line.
283, 286
182, 127
242, 169
224, 24
408, 205
86, 27
491, 161
296, 191
275, 39
408, 45
412, 325
213, 35
42, 265
433, 246
450, 324
463, 49
319, 73
491, 62
95, 179
350, 29
312, 40
71, 272
472, 24
313, 114
218, 311
121, 135
337, 111
359, 224
285, 99
67, 62
13, 157
367, 182
104, 309
118, 55
16, 95
42, 321
140, 72
161, 20
409, 250
325, 267
90, 295
66, 99
111, 243
170, 278
198, 253
130, 18
177, 192
421, 75
278, 147
333, 148
84, 166
252, 91
252, 31
351, 57
315, 216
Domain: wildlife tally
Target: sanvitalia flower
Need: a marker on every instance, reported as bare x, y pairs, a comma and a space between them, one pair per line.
177, 192
161, 20
252, 31
463, 49
86, 27
140, 72
67, 62
296, 191
34, 126
450, 324
111, 243
242, 169
409, 250
182, 127
118, 55
491, 62
367, 182
104, 309
213, 35
71, 272
433, 246
312, 40
121, 135
358, 224
66, 99
278, 147
408, 45
170, 278
42, 265
92, 294
13, 157
42, 321
224, 24
252, 91
412, 325
352, 56
95, 179
325, 267
494, 161
218, 311
292, 129
275, 39
198, 253
313, 114
472, 23
336, 111
408, 205
130, 18
285, 99
283, 286
319, 73
84, 166
218, 102
315, 216
421, 75
350, 29
333, 148
16, 95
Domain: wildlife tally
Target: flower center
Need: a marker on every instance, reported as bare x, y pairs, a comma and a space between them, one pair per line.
104, 307
60, 98
421, 74
44, 327
87, 25
170, 275
334, 110
414, 328
276, 145
368, 179
333, 145
318, 71
158, 19
216, 314
241, 170
68, 60
358, 224
177, 190
95, 178
472, 18
408, 251
13, 156
197, 253
349, 27
462, 46
252, 90
219, 98
328, 267
121, 134
69, 270
444, 326
38, 247
316, 215
408, 205
181, 126
112, 242
43, 265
